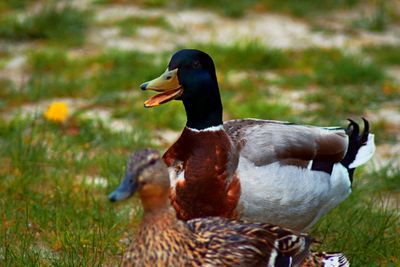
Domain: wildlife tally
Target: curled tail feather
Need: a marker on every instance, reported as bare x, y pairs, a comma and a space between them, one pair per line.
361, 147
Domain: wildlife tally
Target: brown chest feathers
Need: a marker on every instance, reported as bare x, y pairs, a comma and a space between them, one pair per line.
210, 186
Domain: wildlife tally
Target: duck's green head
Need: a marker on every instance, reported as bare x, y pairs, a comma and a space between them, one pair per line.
190, 76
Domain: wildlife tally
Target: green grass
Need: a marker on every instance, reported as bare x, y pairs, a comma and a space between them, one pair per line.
130, 25
55, 74
239, 8
308, 7
334, 67
13, 4
388, 181
66, 25
56, 218
377, 21
386, 54
336, 103
366, 225
244, 56
366, 229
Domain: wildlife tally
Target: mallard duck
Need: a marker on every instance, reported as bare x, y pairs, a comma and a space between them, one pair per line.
261, 170
163, 240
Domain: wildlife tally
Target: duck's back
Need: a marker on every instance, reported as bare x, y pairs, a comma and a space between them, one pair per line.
240, 243
264, 142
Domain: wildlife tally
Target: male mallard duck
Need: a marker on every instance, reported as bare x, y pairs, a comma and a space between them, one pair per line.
163, 240
260, 170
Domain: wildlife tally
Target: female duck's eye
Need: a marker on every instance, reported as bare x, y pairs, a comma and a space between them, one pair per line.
196, 65
152, 162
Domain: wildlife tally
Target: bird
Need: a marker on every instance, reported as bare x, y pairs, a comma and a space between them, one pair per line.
164, 240
259, 170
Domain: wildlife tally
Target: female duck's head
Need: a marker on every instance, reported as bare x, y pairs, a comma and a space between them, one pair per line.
190, 77
147, 174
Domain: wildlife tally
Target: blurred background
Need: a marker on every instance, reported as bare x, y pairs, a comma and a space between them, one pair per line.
71, 110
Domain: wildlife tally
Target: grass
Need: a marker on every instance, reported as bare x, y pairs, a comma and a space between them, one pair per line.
13, 4
389, 176
55, 74
338, 102
55, 218
54, 212
334, 67
378, 21
65, 25
239, 8
244, 56
308, 7
129, 26
371, 226
368, 218
386, 54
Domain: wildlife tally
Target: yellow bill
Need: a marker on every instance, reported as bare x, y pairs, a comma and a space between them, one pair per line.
167, 84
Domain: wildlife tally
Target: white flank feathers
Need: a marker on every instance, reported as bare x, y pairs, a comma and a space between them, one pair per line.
288, 195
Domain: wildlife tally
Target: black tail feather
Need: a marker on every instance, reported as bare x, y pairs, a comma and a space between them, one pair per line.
356, 141
364, 137
353, 129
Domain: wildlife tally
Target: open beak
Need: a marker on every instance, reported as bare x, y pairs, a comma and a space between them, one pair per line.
167, 84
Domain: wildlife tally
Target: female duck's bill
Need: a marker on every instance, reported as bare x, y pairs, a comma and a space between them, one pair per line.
126, 189
131, 183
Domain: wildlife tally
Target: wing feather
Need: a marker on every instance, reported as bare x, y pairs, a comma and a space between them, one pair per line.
264, 142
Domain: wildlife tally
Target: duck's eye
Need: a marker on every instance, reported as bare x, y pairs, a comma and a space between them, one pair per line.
196, 64
168, 77
152, 162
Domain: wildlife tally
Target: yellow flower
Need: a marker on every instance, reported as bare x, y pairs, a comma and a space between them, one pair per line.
57, 111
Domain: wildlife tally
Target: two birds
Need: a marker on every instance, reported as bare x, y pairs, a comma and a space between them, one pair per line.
163, 240
258, 170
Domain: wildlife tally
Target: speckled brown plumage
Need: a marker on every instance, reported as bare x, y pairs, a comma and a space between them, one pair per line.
163, 240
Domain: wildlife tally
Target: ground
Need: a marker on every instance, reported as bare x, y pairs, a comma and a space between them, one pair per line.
315, 63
